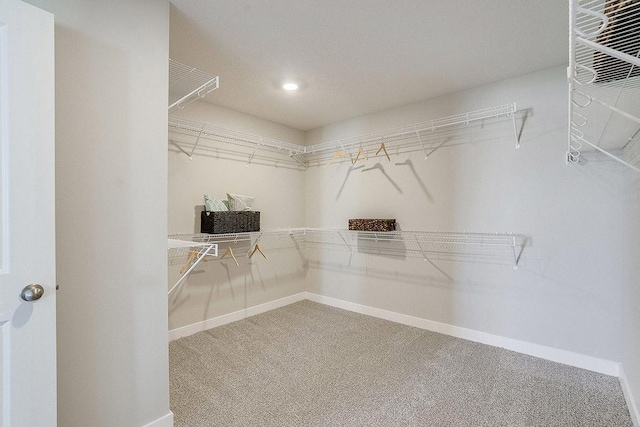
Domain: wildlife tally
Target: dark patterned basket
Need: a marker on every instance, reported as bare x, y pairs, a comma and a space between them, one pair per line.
229, 222
372, 224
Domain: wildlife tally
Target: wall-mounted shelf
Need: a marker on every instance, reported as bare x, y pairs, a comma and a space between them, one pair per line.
424, 245
187, 135
190, 133
604, 80
418, 131
187, 84
429, 246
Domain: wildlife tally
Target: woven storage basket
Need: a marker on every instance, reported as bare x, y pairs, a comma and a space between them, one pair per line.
229, 222
372, 224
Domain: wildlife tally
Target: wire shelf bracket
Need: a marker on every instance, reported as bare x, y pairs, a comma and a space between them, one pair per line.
196, 251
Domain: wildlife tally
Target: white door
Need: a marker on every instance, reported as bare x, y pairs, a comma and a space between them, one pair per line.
27, 240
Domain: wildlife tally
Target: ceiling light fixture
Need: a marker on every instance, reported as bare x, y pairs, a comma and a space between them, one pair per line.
290, 86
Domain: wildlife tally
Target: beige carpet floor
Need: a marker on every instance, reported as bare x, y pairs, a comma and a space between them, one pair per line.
308, 364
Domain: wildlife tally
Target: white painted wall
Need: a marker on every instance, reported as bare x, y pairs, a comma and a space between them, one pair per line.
567, 292
631, 301
277, 183
111, 210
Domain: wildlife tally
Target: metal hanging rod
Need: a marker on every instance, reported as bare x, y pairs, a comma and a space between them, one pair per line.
186, 84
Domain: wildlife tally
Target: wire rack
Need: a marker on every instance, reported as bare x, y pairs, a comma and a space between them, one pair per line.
192, 133
416, 130
604, 79
187, 84
186, 251
244, 243
188, 134
421, 244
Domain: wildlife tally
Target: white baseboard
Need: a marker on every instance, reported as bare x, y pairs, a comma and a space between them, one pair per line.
603, 366
165, 421
184, 331
628, 395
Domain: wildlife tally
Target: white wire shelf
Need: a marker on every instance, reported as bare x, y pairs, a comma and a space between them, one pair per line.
188, 134
604, 80
187, 84
422, 244
503, 247
191, 134
243, 244
397, 135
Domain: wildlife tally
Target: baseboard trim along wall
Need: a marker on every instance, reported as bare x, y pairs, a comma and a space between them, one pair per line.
165, 421
631, 402
184, 331
603, 366
590, 363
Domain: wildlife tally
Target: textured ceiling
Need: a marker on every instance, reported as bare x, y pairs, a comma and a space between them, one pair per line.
361, 56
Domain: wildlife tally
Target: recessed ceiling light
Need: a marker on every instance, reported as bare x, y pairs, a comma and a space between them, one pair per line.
290, 86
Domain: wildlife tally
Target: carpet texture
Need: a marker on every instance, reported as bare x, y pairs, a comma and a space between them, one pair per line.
308, 364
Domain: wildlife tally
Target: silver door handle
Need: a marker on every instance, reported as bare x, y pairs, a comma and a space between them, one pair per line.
32, 292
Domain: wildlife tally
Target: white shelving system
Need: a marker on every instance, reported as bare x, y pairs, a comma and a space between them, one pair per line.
187, 135
604, 80
425, 245
186, 84
428, 246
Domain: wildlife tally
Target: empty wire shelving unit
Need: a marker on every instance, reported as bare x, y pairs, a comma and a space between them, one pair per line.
188, 134
425, 245
417, 133
186, 84
604, 80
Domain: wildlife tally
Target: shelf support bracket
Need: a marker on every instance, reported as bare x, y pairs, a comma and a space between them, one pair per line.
515, 130
195, 144
195, 263
297, 246
175, 144
295, 157
424, 150
254, 152
345, 241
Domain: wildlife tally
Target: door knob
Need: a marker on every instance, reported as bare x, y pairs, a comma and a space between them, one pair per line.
32, 292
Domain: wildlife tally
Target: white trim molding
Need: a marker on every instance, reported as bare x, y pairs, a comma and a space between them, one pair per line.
628, 396
184, 331
603, 366
164, 421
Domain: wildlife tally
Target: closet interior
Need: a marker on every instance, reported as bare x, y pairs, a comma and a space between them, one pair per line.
504, 233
